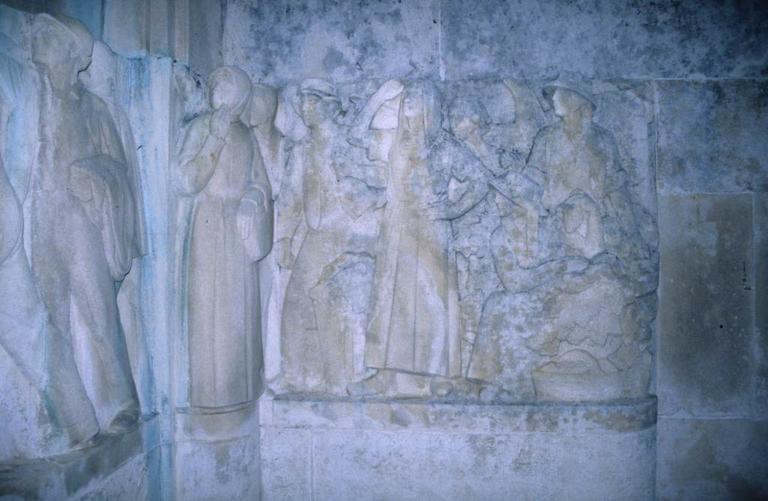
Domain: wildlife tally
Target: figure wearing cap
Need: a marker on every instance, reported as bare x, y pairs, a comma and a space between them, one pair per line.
574, 157
84, 218
313, 222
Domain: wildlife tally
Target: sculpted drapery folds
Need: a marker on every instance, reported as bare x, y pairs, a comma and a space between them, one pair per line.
221, 167
413, 319
39, 350
315, 349
581, 292
85, 221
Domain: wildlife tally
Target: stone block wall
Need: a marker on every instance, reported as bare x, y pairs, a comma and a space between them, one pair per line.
694, 78
712, 174
707, 64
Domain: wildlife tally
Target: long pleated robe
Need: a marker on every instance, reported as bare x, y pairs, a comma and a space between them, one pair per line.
414, 321
223, 304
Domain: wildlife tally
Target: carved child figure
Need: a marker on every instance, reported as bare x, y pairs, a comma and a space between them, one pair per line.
230, 231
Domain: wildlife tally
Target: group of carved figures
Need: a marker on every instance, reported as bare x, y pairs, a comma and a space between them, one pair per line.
554, 225
415, 254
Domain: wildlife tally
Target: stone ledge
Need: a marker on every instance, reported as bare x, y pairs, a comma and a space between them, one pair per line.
615, 416
63, 476
359, 450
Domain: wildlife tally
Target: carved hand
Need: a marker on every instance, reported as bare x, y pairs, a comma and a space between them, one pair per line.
83, 185
252, 205
220, 122
283, 253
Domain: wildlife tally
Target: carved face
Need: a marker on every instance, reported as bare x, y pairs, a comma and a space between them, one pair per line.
51, 44
567, 101
315, 110
223, 92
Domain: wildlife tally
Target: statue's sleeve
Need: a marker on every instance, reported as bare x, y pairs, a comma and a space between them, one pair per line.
19, 127
259, 242
198, 157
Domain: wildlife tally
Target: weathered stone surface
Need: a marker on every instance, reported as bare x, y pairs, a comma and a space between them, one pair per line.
389, 415
761, 305
712, 459
205, 35
487, 239
286, 463
706, 344
116, 465
707, 139
229, 221
218, 470
529, 39
375, 451
285, 41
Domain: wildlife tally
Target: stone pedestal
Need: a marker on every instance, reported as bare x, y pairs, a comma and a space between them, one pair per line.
341, 449
217, 453
116, 467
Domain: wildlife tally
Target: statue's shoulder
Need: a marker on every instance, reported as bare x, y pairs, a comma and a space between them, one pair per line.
546, 133
197, 127
241, 132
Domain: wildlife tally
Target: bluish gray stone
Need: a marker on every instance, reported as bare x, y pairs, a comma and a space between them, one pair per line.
285, 41
606, 39
705, 303
712, 459
761, 305
416, 451
707, 136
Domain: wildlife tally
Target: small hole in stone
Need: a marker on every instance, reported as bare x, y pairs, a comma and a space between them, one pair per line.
721, 326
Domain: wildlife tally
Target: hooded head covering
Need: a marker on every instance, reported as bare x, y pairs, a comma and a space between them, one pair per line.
239, 80
82, 41
262, 106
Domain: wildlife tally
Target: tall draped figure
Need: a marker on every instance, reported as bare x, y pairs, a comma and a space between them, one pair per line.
230, 231
414, 321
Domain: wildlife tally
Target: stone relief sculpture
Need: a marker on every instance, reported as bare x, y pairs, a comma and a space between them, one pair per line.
448, 247
413, 324
508, 261
260, 115
231, 230
315, 352
38, 349
572, 323
100, 78
85, 222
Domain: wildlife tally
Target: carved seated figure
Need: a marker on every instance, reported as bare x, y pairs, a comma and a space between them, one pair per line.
571, 323
585, 324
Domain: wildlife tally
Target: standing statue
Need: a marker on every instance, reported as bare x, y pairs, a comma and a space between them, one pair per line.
413, 327
85, 223
315, 348
43, 355
230, 231
260, 115
101, 79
